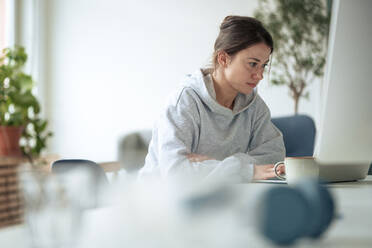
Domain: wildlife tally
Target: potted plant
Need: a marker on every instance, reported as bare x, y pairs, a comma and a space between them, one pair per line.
300, 33
22, 131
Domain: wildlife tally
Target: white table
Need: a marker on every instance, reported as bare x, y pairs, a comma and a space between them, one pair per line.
353, 229
354, 204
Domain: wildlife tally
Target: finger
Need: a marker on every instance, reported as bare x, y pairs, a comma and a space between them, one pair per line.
204, 159
189, 155
197, 158
268, 174
281, 169
267, 167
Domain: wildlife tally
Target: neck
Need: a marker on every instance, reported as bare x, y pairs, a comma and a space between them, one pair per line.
225, 94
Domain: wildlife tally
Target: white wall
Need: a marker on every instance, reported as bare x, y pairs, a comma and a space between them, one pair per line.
111, 64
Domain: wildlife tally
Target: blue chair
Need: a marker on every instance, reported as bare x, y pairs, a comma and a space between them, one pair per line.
298, 134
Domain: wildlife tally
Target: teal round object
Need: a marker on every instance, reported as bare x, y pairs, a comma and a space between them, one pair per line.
282, 215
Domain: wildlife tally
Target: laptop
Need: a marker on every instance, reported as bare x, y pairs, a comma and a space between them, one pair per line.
332, 173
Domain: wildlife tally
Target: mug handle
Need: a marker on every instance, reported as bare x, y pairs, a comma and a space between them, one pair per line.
276, 173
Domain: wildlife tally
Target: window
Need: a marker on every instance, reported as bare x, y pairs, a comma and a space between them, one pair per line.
2, 24
6, 23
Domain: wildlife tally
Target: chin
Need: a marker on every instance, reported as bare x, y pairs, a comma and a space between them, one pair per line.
246, 91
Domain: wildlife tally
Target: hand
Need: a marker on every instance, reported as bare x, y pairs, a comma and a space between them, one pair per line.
193, 157
267, 171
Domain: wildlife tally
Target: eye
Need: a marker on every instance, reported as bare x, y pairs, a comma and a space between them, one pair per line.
252, 64
264, 66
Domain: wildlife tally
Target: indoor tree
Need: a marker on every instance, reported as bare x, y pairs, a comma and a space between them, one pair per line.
300, 32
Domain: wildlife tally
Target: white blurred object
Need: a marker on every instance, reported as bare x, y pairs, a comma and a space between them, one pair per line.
167, 214
54, 205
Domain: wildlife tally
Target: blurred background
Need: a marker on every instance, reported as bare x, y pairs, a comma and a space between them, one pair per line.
104, 68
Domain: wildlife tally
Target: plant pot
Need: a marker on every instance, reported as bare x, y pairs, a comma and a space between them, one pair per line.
9, 141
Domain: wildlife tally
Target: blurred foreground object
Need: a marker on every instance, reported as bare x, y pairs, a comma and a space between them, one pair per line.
286, 214
54, 204
169, 214
281, 214
11, 203
98, 180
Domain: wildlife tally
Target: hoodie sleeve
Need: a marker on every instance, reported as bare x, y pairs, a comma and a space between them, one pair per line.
266, 144
174, 137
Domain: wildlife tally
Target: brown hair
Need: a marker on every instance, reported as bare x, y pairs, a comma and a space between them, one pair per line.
238, 33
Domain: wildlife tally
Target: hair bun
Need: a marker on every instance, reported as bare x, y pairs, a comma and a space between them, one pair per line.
231, 20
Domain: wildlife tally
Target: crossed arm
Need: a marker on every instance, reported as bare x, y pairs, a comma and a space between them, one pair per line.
260, 171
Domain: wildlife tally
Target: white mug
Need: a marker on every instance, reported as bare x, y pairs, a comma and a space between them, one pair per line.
297, 168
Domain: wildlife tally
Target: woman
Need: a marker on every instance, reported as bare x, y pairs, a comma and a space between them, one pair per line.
216, 126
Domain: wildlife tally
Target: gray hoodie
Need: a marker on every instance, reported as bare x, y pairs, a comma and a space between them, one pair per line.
194, 122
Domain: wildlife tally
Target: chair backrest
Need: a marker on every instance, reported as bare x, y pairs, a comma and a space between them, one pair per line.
298, 134
66, 165
133, 148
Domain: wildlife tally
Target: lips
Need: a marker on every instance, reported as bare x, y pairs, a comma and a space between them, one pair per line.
251, 85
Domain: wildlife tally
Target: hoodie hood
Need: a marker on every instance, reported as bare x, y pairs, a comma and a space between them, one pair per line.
201, 82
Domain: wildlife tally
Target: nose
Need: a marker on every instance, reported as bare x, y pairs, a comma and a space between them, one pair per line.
258, 75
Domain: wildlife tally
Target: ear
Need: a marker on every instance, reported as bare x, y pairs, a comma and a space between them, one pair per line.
223, 59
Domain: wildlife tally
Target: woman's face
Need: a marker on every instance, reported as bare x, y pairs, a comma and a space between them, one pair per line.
245, 69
